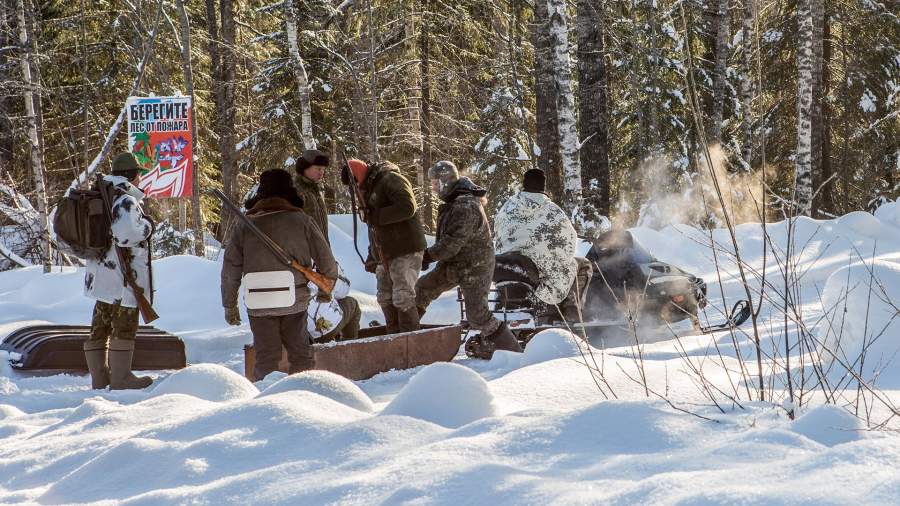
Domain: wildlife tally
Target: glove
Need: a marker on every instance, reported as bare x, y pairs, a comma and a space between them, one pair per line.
426, 260
233, 315
322, 297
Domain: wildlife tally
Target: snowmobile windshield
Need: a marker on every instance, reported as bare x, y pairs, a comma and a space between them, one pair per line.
618, 246
639, 255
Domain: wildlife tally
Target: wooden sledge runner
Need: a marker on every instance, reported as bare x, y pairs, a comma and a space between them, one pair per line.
374, 352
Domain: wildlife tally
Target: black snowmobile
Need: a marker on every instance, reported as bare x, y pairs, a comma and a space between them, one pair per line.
626, 281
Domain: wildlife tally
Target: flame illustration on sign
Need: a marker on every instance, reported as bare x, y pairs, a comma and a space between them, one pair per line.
164, 183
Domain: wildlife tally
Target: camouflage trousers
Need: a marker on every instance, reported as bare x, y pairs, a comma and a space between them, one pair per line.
397, 284
475, 283
113, 321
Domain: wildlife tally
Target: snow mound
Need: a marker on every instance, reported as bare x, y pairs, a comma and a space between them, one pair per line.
549, 345
7, 411
862, 223
326, 384
828, 425
889, 213
446, 394
211, 382
862, 304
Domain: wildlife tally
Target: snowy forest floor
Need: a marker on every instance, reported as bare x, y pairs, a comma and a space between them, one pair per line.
667, 422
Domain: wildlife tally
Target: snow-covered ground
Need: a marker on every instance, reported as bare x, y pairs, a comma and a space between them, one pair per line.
560, 424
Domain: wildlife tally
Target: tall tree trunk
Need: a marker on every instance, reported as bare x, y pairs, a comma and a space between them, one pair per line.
373, 82
299, 69
425, 117
805, 58
747, 83
6, 106
565, 106
32, 112
821, 143
222, 61
723, 28
187, 69
593, 108
545, 103
815, 108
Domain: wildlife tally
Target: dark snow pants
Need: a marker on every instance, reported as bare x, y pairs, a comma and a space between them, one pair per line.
475, 283
271, 333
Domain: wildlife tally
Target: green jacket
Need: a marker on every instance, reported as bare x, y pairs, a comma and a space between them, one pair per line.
313, 202
393, 215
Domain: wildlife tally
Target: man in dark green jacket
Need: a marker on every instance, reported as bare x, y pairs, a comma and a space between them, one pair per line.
308, 180
396, 240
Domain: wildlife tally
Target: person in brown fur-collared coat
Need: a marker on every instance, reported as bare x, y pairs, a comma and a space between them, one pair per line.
277, 211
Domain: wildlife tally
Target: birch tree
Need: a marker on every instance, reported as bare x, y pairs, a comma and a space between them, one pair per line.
299, 70
565, 105
32, 111
803, 164
747, 82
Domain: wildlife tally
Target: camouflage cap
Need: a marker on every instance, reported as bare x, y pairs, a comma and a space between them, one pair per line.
444, 170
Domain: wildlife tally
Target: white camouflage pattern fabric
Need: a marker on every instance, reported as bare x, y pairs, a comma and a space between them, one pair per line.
533, 225
321, 318
103, 279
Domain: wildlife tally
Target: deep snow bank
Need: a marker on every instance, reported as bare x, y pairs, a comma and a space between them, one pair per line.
861, 328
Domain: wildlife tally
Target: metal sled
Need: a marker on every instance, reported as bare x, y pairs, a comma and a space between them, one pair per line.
59, 348
376, 352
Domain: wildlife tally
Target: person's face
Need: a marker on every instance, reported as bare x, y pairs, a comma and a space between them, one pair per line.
137, 179
436, 186
314, 173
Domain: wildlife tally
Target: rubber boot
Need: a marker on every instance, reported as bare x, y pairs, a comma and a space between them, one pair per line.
120, 377
391, 318
95, 356
408, 319
504, 339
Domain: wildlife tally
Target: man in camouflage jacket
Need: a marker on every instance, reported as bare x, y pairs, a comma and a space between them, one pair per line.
308, 181
464, 253
114, 323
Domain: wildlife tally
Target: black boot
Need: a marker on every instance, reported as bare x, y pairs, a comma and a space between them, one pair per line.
408, 319
95, 356
120, 377
391, 319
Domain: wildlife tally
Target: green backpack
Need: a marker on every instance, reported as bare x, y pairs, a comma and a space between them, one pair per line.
82, 223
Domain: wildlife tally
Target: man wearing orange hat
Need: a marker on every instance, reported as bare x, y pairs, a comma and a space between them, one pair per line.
396, 239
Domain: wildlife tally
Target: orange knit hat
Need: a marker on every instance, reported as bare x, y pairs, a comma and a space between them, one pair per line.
359, 169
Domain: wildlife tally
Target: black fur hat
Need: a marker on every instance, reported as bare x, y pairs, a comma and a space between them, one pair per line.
312, 157
277, 183
534, 181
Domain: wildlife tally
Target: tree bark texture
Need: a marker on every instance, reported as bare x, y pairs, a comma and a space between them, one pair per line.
299, 69
565, 106
187, 69
545, 104
805, 58
32, 112
723, 28
592, 79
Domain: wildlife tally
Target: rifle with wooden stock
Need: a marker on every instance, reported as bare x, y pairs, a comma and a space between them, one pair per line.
324, 283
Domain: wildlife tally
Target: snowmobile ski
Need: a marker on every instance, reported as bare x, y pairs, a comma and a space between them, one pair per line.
740, 312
